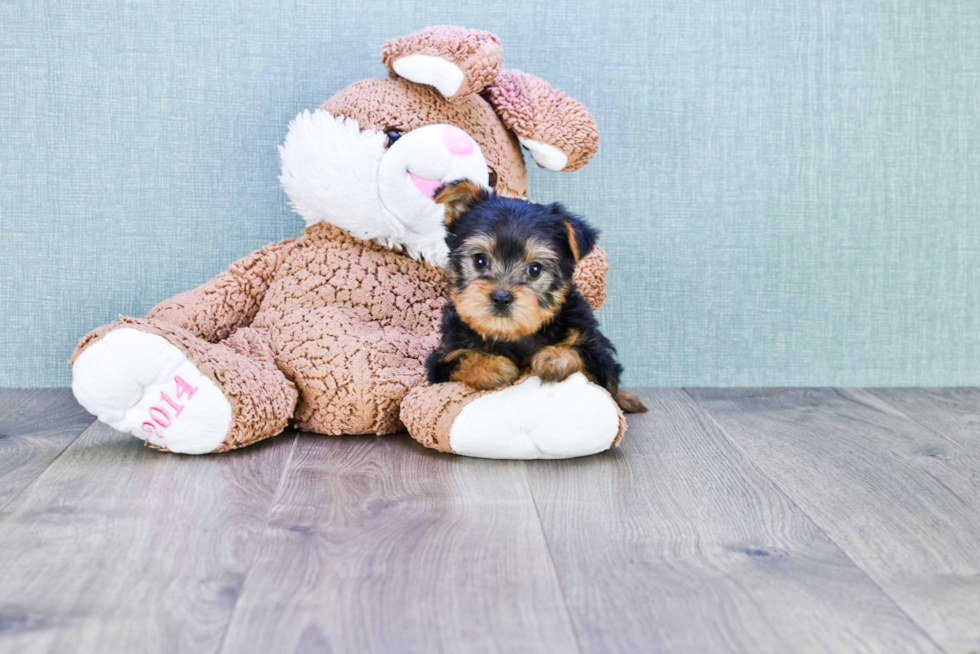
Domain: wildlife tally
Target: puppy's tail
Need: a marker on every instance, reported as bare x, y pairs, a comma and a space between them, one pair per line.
629, 403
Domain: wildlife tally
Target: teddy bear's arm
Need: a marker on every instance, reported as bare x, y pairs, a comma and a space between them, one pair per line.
590, 277
217, 308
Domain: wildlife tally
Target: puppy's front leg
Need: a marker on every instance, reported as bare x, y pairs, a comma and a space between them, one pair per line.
477, 369
483, 371
556, 363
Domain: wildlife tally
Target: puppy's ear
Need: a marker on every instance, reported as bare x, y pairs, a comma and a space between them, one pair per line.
459, 197
580, 234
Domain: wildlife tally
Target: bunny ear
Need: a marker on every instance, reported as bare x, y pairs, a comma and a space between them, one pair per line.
455, 60
560, 133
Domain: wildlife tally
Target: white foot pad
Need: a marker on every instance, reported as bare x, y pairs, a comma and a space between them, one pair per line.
537, 421
140, 384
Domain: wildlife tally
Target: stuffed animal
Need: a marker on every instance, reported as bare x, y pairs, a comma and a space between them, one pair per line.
329, 332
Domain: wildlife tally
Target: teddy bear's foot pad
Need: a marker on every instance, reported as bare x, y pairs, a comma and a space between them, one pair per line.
533, 420
141, 384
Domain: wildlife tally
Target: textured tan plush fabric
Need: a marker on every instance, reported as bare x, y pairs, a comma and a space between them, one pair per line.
326, 332
230, 300
477, 53
590, 277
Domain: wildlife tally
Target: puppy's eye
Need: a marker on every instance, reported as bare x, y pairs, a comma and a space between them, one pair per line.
493, 179
480, 262
391, 135
534, 270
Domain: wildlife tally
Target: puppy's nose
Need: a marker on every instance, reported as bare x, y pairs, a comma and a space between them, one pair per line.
501, 298
457, 141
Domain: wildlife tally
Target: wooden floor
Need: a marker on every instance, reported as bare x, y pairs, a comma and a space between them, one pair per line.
762, 520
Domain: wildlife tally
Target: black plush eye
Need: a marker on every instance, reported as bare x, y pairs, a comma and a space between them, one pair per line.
392, 136
534, 270
480, 262
493, 179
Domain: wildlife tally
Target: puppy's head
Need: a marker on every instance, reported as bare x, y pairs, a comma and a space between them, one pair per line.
510, 261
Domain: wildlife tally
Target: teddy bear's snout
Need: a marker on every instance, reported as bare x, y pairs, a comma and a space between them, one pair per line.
457, 141
459, 144
421, 160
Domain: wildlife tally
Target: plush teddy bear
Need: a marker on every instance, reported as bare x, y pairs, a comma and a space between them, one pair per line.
329, 331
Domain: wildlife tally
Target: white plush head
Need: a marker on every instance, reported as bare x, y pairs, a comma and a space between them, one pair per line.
376, 187
371, 158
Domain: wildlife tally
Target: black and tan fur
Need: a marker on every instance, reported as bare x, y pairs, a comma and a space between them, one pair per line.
514, 305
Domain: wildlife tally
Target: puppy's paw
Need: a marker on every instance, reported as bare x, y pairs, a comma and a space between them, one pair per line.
556, 363
485, 371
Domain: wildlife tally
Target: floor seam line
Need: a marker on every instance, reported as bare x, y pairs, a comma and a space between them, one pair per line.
551, 557
265, 527
932, 430
50, 463
830, 538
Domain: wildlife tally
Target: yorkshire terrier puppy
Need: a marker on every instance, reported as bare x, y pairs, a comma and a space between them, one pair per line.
514, 304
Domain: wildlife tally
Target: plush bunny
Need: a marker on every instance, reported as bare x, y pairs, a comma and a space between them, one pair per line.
329, 331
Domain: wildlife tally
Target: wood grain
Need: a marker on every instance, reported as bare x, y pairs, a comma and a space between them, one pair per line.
36, 425
378, 545
900, 500
119, 548
951, 412
809, 520
677, 543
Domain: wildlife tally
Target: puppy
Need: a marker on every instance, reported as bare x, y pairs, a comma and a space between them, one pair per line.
514, 304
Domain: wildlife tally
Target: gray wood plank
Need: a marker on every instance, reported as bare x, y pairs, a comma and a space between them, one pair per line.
901, 501
119, 548
378, 545
951, 412
36, 425
678, 543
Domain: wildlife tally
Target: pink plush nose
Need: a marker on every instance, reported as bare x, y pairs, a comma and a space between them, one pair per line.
457, 141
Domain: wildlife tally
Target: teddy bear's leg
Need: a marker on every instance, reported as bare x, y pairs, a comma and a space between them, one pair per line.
352, 373
180, 393
528, 420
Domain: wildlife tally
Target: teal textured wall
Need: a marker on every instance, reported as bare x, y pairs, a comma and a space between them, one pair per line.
789, 192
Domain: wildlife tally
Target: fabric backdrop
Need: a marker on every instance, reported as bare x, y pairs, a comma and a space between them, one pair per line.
789, 192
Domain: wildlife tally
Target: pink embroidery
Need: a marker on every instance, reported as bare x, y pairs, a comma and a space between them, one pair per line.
183, 388
176, 407
163, 416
